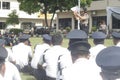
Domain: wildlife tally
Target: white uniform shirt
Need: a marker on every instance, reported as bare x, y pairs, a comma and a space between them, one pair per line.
96, 49
22, 53
1, 77
51, 58
11, 72
39, 50
82, 69
118, 44
11, 56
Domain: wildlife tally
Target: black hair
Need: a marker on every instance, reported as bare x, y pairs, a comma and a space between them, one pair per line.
47, 41
75, 40
57, 38
98, 41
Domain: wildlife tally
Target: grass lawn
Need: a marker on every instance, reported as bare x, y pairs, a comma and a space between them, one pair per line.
36, 40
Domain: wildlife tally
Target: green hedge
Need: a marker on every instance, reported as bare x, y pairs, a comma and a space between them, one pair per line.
16, 31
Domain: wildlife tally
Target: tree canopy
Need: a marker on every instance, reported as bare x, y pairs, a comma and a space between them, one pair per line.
12, 18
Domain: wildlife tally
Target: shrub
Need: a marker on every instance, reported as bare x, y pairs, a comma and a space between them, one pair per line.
16, 31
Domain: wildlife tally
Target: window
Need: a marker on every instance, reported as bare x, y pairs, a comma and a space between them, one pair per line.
2, 25
115, 23
6, 5
65, 22
96, 20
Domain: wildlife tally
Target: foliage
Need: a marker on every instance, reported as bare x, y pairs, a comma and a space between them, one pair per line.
16, 31
94, 28
68, 29
13, 18
85, 3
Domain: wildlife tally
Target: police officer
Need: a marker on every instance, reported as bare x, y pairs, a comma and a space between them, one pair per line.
39, 51
23, 53
10, 56
98, 40
82, 68
116, 38
57, 58
8, 70
77, 35
108, 60
3, 55
84, 17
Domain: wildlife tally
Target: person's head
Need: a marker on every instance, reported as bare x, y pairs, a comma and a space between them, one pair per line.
116, 37
47, 38
79, 49
102, 22
3, 56
109, 61
2, 42
57, 38
98, 37
77, 35
24, 39
84, 10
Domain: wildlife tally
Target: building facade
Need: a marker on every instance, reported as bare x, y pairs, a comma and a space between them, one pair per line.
97, 12
26, 20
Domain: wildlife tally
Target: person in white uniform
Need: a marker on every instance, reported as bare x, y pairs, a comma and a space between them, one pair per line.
10, 71
82, 68
116, 38
109, 61
10, 57
56, 56
98, 40
23, 53
39, 51
77, 35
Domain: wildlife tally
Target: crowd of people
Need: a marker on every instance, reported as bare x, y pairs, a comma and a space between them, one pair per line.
51, 61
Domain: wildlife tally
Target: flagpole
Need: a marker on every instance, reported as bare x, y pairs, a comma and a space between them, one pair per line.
79, 14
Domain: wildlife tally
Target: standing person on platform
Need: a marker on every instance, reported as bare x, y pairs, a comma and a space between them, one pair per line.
57, 58
83, 17
82, 68
23, 53
109, 61
39, 52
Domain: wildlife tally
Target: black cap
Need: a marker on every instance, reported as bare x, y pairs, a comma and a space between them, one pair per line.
2, 42
77, 34
98, 35
24, 37
116, 35
47, 37
109, 58
79, 46
3, 54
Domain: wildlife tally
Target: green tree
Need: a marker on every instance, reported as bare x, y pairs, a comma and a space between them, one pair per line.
12, 18
49, 6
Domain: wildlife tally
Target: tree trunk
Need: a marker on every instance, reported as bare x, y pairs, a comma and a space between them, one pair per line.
52, 19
